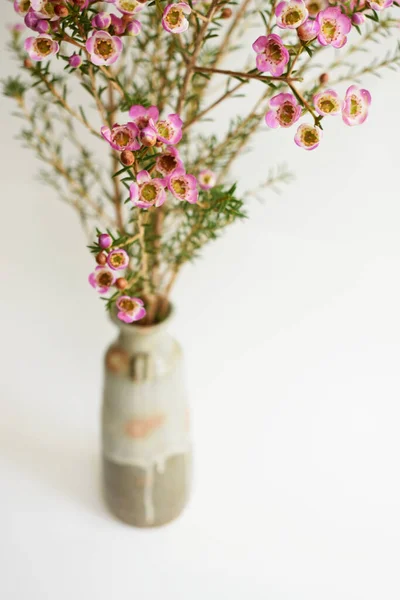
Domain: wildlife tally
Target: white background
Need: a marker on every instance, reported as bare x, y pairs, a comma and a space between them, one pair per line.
291, 330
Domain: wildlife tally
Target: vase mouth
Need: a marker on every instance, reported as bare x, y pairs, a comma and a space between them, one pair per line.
139, 329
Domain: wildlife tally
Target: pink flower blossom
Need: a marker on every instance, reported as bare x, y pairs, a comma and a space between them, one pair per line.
327, 103
22, 6
380, 4
183, 186
102, 279
148, 136
142, 116
103, 48
168, 161
358, 18
118, 25
334, 26
284, 111
147, 192
41, 47
169, 130
308, 136
130, 309
290, 14
356, 105
105, 240
101, 20
121, 137
75, 61
308, 31
173, 19
118, 259
272, 56
128, 7
207, 179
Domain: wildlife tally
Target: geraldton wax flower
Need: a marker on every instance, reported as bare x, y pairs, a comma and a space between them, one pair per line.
147, 192
174, 19
315, 6
308, 136
207, 179
327, 103
380, 4
308, 31
142, 116
104, 49
169, 130
183, 186
290, 14
284, 111
355, 106
128, 7
121, 137
118, 259
102, 279
130, 309
272, 56
333, 27
41, 47
168, 161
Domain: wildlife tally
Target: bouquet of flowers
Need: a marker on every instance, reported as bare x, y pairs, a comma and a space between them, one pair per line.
146, 70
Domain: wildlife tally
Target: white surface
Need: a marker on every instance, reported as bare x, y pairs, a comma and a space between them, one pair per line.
291, 328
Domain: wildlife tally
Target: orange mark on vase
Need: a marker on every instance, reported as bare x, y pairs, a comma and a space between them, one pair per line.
117, 360
142, 428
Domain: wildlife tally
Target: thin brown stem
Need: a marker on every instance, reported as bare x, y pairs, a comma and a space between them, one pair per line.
206, 110
243, 75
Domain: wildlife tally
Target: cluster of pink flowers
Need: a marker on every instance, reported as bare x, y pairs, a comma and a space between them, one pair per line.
105, 276
313, 20
146, 129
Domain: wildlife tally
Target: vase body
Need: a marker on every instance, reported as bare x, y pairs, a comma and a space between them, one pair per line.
145, 427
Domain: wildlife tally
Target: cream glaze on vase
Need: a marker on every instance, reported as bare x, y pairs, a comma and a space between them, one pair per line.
145, 427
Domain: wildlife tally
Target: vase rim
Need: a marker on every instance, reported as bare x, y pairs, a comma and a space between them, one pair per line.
142, 329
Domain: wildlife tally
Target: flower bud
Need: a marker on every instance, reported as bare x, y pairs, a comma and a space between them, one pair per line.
133, 28
127, 158
118, 25
61, 11
102, 20
121, 283
226, 13
42, 26
323, 78
148, 136
308, 30
28, 64
105, 240
358, 19
75, 61
101, 258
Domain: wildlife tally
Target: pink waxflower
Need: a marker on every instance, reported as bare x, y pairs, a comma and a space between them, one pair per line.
272, 56
121, 137
75, 61
355, 106
142, 116
327, 103
118, 259
169, 130
118, 25
133, 28
22, 6
168, 161
128, 7
308, 31
183, 186
308, 136
207, 179
284, 111
315, 6
147, 192
333, 27
104, 49
102, 279
105, 240
102, 20
358, 18
130, 309
173, 19
290, 14
41, 47
380, 4
148, 136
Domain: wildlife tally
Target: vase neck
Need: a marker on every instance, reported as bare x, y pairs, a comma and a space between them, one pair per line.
145, 339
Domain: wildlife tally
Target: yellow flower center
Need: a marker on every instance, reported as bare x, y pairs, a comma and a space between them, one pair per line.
309, 137
127, 305
105, 279
174, 17
274, 52
149, 192
354, 106
292, 16
313, 8
122, 138
43, 46
179, 186
104, 48
286, 113
329, 30
327, 105
128, 5
117, 259
164, 129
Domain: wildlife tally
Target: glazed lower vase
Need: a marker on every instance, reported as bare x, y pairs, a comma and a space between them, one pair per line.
145, 427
